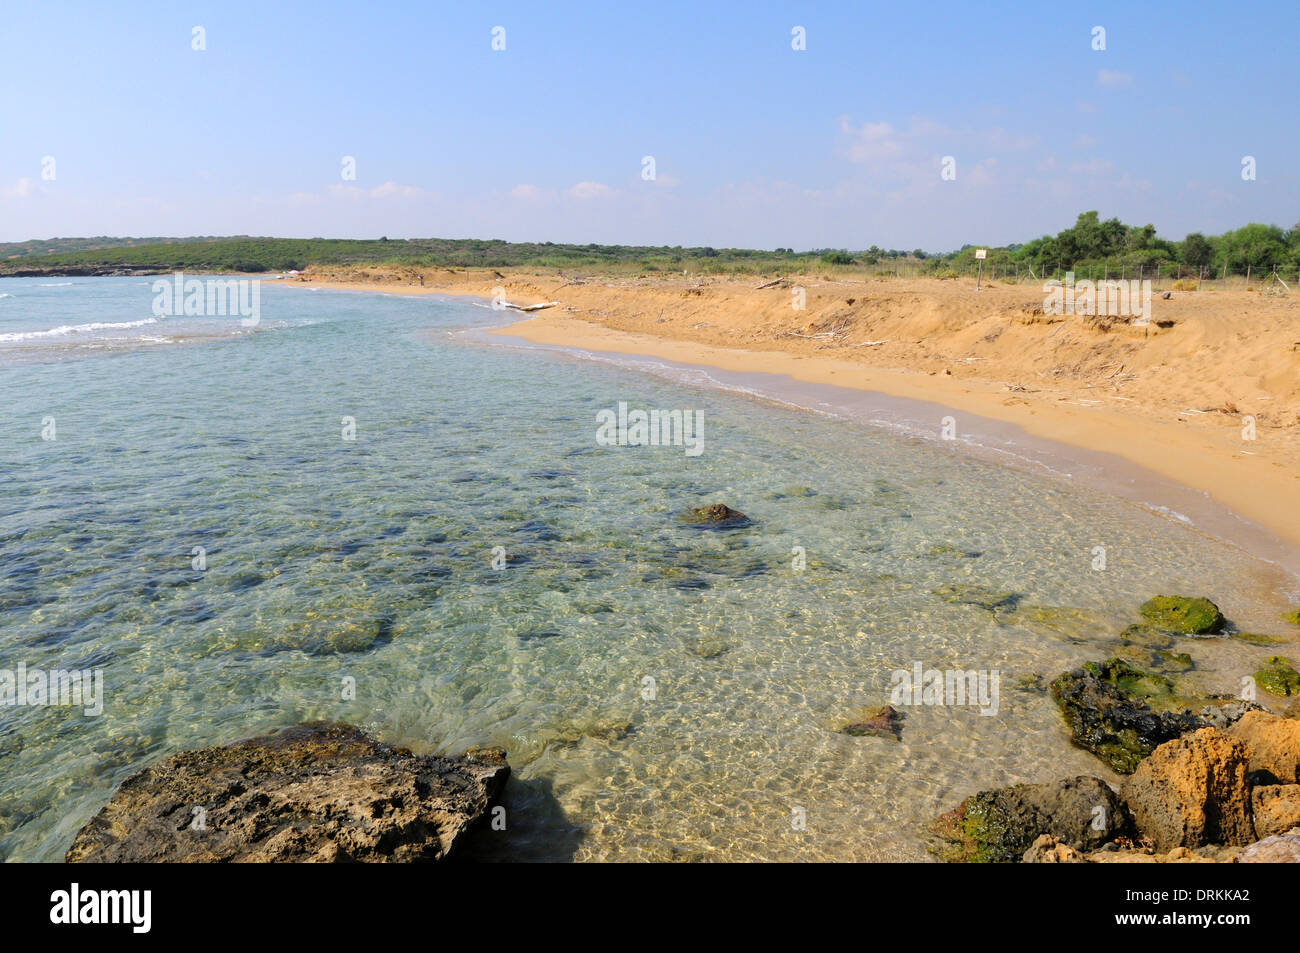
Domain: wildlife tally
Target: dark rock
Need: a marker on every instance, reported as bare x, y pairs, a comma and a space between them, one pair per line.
1107, 706
719, 516
316, 792
1000, 826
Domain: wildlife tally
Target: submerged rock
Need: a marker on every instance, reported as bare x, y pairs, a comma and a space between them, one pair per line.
1192, 791
1108, 707
982, 596
719, 516
1000, 826
1183, 614
1292, 617
1278, 677
884, 722
316, 792
1253, 638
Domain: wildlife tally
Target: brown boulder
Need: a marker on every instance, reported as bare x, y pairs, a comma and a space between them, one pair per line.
316, 792
1273, 743
1192, 791
1275, 808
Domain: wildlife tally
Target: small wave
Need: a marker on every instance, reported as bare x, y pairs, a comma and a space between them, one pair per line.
57, 284
6, 296
75, 329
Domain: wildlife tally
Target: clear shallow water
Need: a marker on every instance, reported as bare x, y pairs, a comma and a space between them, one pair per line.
373, 559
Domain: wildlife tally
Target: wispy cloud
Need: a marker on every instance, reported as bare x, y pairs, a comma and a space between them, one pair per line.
1112, 79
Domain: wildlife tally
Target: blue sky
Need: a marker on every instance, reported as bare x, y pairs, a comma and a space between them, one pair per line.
755, 144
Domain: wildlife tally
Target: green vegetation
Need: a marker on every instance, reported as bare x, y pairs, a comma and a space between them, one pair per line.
1091, 247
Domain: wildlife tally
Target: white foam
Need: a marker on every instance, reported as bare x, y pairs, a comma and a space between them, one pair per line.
75, 329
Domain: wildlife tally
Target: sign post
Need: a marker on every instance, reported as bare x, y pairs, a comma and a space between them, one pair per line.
980, 255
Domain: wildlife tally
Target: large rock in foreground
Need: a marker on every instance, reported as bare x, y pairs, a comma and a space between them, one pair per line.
1193, 791
317, 792
1000, 826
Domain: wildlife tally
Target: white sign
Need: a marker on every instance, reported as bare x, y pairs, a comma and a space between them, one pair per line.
981, 253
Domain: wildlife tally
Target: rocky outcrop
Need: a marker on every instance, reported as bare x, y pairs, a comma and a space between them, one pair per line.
317, 792
1106, 705
1000, 826
1192, 791
1275, 808
1273, 745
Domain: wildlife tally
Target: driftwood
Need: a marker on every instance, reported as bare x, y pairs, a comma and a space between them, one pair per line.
532, 307
768, 284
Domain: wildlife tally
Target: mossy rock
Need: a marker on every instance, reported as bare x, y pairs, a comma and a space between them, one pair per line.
1031, 683
1121, 713
1292, 617
1278, 677
1189, 616
718, 516
1174, 662
1147, 636
1252, 638
982, 596
949, 551
707, 647
883, 722
998, 826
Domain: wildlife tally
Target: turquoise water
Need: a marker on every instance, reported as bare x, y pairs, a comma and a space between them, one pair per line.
372, 559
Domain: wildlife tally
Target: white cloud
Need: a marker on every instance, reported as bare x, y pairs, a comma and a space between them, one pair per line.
590, 190
1092, 167
21, 189
1114, 80
530, 193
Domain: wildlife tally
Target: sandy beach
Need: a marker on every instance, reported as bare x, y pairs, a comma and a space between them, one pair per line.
1175, 397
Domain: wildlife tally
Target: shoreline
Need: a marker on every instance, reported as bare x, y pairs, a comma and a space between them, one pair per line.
1248, 495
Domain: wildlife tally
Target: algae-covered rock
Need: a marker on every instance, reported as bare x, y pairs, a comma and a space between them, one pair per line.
718, 516
1190, 616
1278, 677
884, 722
1109, 707
1252, 638
982, 596
1147, 636
1292, 617
999, 826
